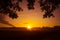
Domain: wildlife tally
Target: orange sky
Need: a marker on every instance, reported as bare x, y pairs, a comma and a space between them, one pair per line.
34, 17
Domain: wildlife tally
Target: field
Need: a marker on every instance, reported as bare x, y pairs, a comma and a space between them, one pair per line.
24, 34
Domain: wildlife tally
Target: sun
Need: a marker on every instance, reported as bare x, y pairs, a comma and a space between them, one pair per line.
29, 27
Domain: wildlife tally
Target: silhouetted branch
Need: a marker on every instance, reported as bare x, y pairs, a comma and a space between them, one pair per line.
30, 4
6, 5
49, 6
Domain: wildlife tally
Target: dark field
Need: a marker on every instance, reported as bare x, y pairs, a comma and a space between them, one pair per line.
24, 34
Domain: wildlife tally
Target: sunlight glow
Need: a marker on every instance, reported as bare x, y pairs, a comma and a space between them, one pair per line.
29, 27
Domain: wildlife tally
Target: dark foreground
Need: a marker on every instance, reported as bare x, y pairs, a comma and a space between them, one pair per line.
43, 34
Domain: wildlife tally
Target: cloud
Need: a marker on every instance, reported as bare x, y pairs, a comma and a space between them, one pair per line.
2, 20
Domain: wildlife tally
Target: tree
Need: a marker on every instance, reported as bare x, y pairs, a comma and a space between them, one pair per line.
49, 6
30, 4
10, 8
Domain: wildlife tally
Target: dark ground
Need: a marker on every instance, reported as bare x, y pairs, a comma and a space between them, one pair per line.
23, 34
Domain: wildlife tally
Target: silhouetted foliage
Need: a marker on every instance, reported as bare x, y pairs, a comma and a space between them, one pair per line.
6, 7
49, 6
11, 6
30, 4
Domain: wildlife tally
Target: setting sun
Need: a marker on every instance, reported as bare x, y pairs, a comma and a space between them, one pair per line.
29, 27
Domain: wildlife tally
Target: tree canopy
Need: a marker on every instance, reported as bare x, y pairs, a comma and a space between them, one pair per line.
10, 7
49, 6
30, 4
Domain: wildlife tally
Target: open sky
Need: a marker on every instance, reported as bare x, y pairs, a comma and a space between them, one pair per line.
34, 17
